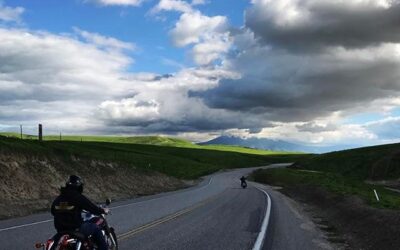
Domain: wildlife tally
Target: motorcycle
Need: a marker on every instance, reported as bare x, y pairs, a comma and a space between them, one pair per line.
75, 240
244, 184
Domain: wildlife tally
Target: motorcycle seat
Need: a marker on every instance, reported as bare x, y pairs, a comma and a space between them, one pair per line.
75, 234
80, 236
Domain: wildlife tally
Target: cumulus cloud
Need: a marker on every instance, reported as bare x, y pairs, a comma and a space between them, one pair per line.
61, 81
314, 127
162, 104
117, 2
192, 27
171, 5
211, 49
304, 85
55, 79
209, 35
292, 87
281, 75
10, 14
314, 24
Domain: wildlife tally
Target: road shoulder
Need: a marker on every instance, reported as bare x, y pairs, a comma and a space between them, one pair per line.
292, 225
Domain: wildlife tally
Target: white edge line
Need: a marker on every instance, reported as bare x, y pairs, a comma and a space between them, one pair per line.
261, 235
25, 225
125, 205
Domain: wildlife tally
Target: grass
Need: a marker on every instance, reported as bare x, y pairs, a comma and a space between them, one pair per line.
377, 162
345, 173
173, 157
331, 182
149, 140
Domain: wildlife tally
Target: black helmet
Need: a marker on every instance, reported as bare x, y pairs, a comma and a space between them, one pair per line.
75, 182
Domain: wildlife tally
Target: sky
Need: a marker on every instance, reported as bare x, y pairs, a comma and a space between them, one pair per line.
320, 72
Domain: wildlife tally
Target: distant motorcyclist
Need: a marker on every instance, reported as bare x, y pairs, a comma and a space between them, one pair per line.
67, 209
243, 181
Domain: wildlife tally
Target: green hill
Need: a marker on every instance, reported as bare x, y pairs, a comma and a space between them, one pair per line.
346, 173
179, 158
376, 162
149, 140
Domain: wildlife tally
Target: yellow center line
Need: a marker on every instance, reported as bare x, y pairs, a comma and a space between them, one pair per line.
165, 219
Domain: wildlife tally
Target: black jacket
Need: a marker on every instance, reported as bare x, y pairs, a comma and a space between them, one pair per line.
67, 209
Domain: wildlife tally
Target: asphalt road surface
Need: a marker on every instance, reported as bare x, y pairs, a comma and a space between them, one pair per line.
216, 214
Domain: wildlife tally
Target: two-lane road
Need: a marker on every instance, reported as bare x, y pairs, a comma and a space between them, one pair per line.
216, 214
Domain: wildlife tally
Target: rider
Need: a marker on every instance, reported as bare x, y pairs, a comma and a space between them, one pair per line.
243, 180
67, 209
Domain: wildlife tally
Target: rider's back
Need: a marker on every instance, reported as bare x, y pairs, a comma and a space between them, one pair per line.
67, 209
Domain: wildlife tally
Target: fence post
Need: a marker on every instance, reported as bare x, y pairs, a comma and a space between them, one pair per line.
40, 132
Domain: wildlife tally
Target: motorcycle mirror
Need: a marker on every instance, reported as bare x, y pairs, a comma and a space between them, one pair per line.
108, 201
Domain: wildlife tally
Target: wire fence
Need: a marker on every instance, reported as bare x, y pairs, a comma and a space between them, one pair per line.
26, 131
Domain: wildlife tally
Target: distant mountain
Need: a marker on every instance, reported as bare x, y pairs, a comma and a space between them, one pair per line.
275, 145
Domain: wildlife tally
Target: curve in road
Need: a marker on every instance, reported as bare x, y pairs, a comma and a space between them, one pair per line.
216, 214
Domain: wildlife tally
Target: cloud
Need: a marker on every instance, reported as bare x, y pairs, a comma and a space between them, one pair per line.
171, 5
301, 25
117, 2
192, 27
314, 127
292, 87
56, 79
385, 129
250, 80
303, 85
198, 2
209, 35
163, 105
211, 49
10, 14
108, 43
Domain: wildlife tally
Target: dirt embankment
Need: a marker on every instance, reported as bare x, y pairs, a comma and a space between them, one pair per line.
29, 183
359, 225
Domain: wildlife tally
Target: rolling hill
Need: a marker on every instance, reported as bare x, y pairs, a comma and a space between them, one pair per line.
274, 145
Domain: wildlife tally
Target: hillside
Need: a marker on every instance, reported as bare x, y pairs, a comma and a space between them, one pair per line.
152, 140
355, 193
375, 163
149, 140
181, 162
274, 145
32, 171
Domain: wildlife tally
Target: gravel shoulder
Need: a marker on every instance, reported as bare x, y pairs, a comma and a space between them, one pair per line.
348, 219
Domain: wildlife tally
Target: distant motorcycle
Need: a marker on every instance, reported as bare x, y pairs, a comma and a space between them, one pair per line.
243, 182
75, 240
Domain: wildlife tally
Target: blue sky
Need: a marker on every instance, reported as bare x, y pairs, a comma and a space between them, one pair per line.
202, 68
127, 23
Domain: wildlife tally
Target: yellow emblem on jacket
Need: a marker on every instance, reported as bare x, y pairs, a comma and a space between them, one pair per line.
64, 206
